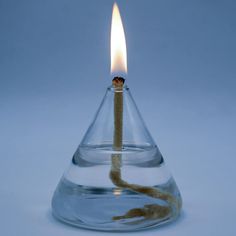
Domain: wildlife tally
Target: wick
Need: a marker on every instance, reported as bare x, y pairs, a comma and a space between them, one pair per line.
153, 211
118, 83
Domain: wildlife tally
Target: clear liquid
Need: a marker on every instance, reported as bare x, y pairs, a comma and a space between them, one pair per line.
86, 196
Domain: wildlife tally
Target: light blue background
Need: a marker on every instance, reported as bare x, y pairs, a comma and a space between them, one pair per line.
54, 68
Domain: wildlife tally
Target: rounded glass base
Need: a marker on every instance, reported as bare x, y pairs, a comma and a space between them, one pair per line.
111, 209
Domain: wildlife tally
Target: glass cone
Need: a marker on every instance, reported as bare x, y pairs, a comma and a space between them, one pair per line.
117, 190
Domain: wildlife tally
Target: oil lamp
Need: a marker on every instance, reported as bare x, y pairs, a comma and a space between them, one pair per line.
117, 179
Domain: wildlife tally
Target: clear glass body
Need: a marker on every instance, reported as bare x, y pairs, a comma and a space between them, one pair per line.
117, 190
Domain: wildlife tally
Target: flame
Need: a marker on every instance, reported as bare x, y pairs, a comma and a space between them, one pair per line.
118, 44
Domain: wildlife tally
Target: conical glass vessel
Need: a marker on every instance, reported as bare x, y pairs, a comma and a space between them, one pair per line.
112, 189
